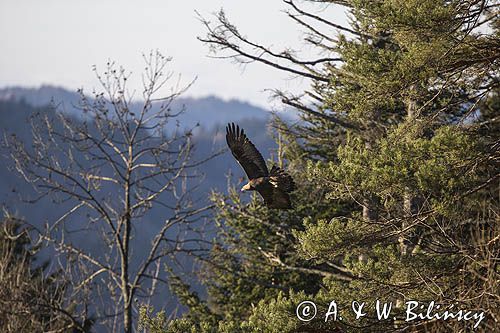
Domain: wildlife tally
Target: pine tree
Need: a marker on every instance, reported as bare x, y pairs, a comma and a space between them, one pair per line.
397, 157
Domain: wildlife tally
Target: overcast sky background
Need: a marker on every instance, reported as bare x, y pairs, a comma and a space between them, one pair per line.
57, 42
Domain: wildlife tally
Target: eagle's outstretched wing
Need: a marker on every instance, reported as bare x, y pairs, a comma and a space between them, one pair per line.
245, 152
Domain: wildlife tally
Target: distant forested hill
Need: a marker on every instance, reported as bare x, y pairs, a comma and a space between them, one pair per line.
17, 105
207, 111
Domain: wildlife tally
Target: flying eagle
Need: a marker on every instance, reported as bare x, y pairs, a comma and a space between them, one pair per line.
273, 186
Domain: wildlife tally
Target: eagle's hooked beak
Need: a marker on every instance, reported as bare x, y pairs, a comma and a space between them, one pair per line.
245, 188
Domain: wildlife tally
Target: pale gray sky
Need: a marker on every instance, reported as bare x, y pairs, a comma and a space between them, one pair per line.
57, 42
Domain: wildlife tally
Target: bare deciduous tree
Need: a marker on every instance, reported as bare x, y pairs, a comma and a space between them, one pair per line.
110, 171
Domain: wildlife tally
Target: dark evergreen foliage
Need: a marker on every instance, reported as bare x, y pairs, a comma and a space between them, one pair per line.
396, 163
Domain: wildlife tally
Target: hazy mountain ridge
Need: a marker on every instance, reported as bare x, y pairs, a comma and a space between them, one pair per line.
213, 113
18, 103
205, 111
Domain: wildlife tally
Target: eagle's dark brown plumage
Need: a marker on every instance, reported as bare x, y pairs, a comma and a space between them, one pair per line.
273, 186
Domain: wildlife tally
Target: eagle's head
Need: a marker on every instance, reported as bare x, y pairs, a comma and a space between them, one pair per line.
247, 187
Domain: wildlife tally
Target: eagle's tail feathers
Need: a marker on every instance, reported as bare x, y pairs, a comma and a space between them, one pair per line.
281, 179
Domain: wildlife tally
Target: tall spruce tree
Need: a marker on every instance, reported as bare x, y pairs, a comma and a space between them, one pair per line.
397, 161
